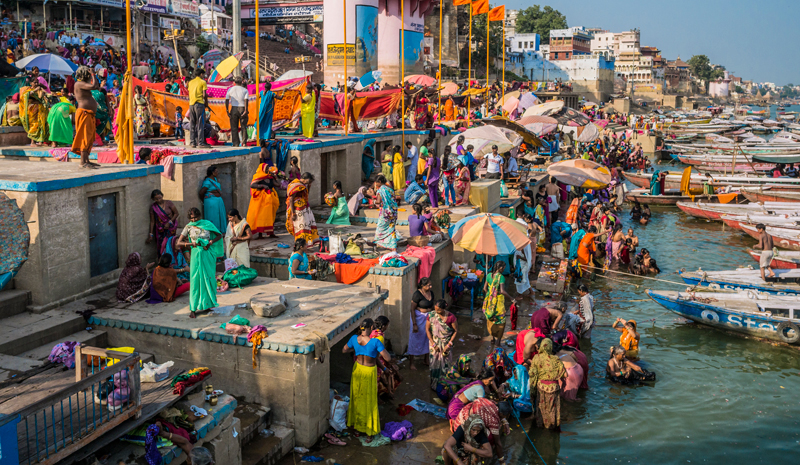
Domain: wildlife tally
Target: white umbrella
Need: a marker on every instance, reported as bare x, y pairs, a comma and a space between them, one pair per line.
48, 62
294, 74
482, 138
169, 51
545, 109
590, 132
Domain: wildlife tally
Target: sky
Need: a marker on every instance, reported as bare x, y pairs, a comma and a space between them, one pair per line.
754, 40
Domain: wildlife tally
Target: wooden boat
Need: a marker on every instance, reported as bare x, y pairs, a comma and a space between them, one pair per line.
777, 157
673, 181
766, 316
784, 283
776, 221
716, 211
755, 194
724, 166
670, 197
783, 260
782, 237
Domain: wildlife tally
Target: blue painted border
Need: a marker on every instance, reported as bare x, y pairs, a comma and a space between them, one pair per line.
195, 157
130, 171
352, 138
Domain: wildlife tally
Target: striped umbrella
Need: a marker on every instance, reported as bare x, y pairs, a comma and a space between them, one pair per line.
490, 234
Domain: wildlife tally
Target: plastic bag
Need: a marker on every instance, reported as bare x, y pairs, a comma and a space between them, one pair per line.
352, 249
557, 250
503, 189
153, 372
339, 405
335, 244
240, 276
237, 320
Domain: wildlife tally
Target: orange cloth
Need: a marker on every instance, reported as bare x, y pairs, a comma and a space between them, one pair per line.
449, 110
264, 204
497, 13
727, 198
165, 282
350, 273
85, 130
480, 7
572, 212
586, 248
627, 341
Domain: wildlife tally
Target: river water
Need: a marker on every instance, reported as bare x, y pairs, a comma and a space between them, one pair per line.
719, 398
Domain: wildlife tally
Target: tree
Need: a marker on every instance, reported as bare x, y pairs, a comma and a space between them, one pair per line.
479, 38
738, 90
541, 21
702, 69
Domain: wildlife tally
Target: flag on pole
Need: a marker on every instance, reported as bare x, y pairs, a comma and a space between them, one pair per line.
497, 13
480, 7
461, 2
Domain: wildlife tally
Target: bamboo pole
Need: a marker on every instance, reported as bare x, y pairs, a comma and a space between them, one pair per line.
439, 106
346, 88
503, 80
403, 74
258, 63
129, 120
469, 64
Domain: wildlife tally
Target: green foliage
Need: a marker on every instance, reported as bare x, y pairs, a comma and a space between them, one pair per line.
479, 38
738, 90
541, 21
701, 69
788, 91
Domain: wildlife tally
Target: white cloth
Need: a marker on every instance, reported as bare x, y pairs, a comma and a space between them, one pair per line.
526, 258
493, 163
241, 251
237, 96
553, 205
586, 308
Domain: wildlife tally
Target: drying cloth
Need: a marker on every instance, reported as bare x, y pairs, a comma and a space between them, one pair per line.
377, 441
151, 453
258, 333
344, 258
169, 167
398, 431
727, 198
513, 309
393, 259
64, 352
422, 406
189, 374
107, 157
62, 153
350, 273
311, 458
426, 255
321, 347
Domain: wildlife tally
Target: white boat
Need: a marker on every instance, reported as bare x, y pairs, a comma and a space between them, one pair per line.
786, 238
784, 283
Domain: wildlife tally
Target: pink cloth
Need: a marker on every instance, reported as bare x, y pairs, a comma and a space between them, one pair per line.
60, 153
107, 157
169, 167
584, 363
569, 387
426, 255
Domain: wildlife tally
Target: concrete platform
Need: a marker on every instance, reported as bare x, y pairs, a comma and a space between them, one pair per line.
18, 175
291, 373
45, 152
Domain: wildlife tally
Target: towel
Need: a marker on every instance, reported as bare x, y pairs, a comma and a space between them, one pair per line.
426, 255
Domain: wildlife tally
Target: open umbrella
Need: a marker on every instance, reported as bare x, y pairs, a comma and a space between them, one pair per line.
48, 62
539, 125
369, 78
580, 173
529, 137
545, 109
482, 138
420, 80
225, 67
490, 234
294, 74
527, 100
449, 88
588, 133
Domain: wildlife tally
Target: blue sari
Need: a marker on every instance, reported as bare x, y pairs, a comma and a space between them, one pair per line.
178, 259
386, 232
303, 259
265, 115
213, 206
368, 163
575, 241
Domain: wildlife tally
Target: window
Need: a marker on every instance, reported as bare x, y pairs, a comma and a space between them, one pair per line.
519, 45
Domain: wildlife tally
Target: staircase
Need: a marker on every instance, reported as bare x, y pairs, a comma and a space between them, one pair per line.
274, 52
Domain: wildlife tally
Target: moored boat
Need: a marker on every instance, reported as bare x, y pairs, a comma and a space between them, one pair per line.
784, 283
766, 316
783, 259
776, 221
712, 211
673, 181
673, 196
782, 237
755, 194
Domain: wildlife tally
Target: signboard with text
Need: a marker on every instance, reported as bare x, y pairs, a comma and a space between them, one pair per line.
170, 23
155, 6
289, 14
336, 55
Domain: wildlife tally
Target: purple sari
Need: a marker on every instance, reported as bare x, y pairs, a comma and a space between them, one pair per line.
455, 406
164, 226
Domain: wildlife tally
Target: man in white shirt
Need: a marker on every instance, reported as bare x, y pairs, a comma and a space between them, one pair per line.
236, 106
76, 41
494, 165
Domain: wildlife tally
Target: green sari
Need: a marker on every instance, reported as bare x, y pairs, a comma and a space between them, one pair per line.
102, 115
340, 214
203, 267
61, 131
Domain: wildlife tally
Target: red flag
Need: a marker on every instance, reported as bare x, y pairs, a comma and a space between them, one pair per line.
498, 13
480, 7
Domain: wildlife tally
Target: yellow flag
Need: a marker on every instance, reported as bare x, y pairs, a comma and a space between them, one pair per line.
124, 123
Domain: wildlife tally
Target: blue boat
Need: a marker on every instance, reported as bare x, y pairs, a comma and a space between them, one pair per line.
745, 279
760, 315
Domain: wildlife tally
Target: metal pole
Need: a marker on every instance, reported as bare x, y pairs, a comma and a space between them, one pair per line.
129, 120
439, 106
344, 43
70, 15
469, 64
258, 63
237, 31
503, 80
44, 13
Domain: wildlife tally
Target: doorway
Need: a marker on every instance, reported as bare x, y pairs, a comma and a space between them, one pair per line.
103, 245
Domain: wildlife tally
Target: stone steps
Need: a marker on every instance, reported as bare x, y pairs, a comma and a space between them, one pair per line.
269, 451
13, 302
24, 332
94, 338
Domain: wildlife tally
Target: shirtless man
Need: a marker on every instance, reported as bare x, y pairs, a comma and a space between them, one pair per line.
553, 193
85, 124
765, 244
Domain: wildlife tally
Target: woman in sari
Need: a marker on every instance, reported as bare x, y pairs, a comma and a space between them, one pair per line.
11, 114
469, 444
141, 119
339, 213
298, 261
442, 328
494, 418
494, 306
386, 232
300, 220
463, 183
237, 238
398, 171
388, 373
102, 115
180, 258
163, 219
541, 216
264, 202
386, 163
61, 130
166, 285
133, 281
34, 113
546, 372
308, 113
213, 205
469, 393
204, 240
362, 415
421, 113
449, 110
368, 159
458, 376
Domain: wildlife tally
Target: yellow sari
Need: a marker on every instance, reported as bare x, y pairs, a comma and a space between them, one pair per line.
398, 174
308, 114
33, 115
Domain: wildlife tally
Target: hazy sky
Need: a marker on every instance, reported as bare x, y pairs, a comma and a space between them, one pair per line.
756, 40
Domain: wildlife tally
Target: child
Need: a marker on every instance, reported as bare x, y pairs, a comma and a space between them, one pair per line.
179, 124
625, 255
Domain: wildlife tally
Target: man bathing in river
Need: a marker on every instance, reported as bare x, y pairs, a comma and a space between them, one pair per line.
85, 124
765, 244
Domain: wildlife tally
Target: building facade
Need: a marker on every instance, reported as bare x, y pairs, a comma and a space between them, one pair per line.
518, 43
566, 43
588, 74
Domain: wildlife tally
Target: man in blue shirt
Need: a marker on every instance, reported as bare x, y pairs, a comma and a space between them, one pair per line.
415, 192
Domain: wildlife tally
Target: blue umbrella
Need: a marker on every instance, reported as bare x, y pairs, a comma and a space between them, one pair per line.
369, 78
48, 62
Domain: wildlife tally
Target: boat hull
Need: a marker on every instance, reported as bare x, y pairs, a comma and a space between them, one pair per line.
734, 286
719, 317
772, 196
777, 262
782, 242
700, 212
674, 182
671, 199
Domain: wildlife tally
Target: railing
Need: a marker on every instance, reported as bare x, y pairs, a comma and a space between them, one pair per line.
264, 65
62, 423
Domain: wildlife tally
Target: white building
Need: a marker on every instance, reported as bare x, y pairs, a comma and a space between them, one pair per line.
524, 42
720, 87
511, 22
604, 43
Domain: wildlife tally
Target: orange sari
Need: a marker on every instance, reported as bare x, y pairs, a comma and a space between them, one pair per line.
264, 203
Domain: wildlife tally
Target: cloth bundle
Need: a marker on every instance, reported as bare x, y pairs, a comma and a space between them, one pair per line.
398, 431
189, 379
344, 258
64, 352
257, 333
393, 260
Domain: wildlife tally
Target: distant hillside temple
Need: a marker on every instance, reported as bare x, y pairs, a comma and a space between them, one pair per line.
373, 38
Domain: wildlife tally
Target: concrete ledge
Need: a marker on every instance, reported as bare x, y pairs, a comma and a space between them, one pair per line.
215, 154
